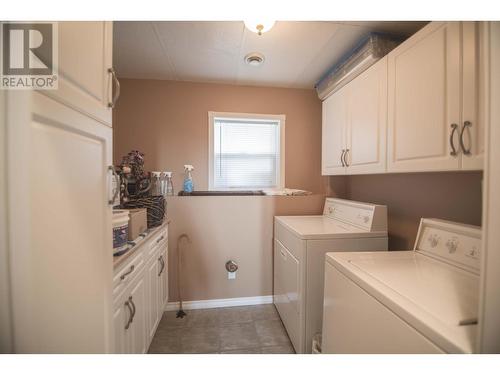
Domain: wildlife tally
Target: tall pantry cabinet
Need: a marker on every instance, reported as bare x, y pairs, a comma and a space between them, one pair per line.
58, 149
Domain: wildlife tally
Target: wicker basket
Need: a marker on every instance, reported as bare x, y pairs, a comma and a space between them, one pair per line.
155, 206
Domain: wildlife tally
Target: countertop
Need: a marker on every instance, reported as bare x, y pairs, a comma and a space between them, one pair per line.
137, 244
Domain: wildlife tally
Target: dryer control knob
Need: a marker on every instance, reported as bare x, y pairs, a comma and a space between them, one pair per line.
433, 240
452, 244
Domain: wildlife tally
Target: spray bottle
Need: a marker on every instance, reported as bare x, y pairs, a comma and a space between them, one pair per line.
188, 180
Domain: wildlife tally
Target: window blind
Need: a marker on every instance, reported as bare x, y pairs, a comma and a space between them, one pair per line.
246, 153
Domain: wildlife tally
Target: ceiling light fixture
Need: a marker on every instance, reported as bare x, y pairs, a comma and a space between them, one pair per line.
259, 27
254, 58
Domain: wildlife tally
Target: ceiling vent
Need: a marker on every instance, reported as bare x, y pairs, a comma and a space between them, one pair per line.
254, 59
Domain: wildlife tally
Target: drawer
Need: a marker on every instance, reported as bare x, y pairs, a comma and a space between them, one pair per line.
288, 239
157, 242
286, 273
127, 273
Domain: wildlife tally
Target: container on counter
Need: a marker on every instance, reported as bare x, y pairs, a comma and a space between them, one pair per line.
169, 186
156, 184
138, 223
120, 231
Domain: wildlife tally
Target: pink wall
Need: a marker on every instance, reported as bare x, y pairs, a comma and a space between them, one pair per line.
169, 122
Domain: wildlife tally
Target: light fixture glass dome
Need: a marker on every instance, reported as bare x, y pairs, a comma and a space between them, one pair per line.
259, 27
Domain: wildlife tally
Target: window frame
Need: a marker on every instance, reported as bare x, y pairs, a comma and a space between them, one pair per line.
251, 116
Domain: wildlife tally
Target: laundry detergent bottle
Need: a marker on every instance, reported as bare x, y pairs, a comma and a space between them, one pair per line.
188, 179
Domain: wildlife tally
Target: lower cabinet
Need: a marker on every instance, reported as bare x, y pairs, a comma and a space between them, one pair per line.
129, 319
139, 307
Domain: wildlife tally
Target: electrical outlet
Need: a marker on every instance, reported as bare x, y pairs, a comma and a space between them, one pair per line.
231, 275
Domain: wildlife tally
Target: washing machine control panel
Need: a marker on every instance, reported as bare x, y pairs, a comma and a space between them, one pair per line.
456, 243
364, 215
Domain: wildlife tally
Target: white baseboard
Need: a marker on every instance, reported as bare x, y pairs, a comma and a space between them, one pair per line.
213, 303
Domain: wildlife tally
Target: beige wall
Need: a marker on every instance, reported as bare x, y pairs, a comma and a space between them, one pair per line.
169, 122
224, 228
452, 196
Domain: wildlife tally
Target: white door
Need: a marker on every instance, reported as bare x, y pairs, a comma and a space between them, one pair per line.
138, 331
121, 318
59, 227
85, 56
367, 127
424, 100
163, 283
334, 121
474, 93
152, 305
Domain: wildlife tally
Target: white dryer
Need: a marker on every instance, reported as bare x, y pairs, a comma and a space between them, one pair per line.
419, 301
300, 245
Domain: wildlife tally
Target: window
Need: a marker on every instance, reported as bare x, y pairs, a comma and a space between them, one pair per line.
246, 151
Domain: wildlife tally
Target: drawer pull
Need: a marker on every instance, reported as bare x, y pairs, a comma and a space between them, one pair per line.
122, 277
283, 254
133, 306
162, 262
127, 303
160, 239
453, 151
466, 151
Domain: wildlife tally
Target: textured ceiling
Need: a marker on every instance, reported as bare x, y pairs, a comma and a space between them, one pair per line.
296, 54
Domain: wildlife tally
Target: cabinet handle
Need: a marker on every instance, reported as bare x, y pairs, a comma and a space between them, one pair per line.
283, 255
159, 239
466, 151
127, 303
345, 157
122, 277
133, 306
342, 157
162, 262
117, 190
117, 88
453, 151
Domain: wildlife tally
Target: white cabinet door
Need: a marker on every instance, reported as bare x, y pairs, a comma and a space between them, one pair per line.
367, 126
85, 55
138, 332
425, 101
152, 303
59, 227
121, 317
334, 121
163, 278
474, 93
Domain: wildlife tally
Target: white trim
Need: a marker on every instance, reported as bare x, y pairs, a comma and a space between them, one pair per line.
489, 299
280, 118
213, 303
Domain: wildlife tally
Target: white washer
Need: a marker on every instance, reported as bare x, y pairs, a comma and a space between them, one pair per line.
300, 245
419, 301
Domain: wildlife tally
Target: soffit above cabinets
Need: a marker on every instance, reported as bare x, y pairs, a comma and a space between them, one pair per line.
296, 54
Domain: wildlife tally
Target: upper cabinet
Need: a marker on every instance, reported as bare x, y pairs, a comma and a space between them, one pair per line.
86, 77
421, 108
333, 134
354, 125
367, 124
433, 100
475, 39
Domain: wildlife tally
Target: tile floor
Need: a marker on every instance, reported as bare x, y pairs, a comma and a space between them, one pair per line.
230, 330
